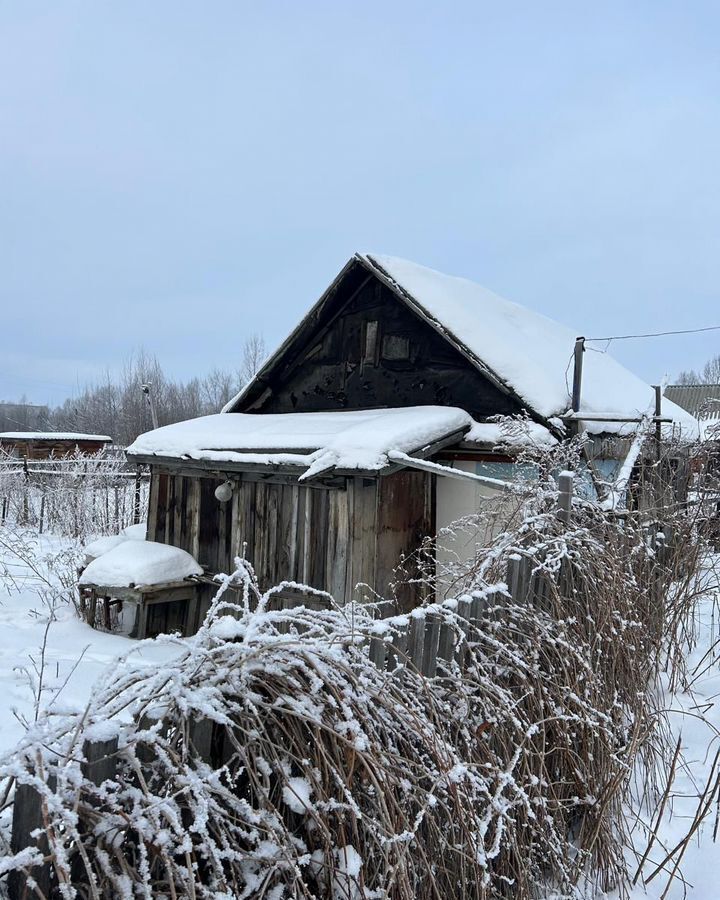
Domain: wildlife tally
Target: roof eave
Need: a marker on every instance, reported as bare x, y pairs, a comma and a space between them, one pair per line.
222, 466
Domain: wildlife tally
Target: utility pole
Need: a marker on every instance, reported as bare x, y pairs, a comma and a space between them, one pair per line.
151, 403
577, 373
659, 486
577, 379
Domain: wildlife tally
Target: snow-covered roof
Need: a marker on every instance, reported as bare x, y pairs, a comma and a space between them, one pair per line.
52, 436
523, 351
701, 400
140, 564
317, 441
529, 352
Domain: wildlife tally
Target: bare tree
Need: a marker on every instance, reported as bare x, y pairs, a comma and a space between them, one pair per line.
254, 355
118, 407
709, 374
219, 386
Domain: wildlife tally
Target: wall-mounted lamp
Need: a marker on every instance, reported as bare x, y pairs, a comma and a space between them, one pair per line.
224, 491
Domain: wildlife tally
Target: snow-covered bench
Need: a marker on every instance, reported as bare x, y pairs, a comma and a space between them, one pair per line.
149, 586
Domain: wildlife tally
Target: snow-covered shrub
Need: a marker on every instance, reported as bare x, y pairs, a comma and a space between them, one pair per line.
47, 571
325, 776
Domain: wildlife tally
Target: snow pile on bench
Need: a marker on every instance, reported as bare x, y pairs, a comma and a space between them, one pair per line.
139, 564
352, 440
108, 542
103, 545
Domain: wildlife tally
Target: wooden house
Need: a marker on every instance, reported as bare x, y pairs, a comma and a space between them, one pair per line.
47, 444
368, 429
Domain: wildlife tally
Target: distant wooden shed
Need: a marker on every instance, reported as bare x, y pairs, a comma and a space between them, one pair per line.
46, 444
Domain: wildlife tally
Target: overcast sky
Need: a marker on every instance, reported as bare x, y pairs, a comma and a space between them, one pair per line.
178, 174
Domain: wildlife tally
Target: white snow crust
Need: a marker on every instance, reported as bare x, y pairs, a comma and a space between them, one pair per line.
297, 793
104, 544
52, 436
140, 563
358, 439
494, 433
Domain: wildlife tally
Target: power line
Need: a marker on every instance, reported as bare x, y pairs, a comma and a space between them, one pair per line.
627, 337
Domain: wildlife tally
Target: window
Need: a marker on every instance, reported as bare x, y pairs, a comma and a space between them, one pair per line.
395, 347
371, 335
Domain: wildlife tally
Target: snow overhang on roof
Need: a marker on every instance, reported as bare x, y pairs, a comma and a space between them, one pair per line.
305, 444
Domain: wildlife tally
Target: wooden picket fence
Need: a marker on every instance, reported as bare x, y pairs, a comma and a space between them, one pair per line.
87, 494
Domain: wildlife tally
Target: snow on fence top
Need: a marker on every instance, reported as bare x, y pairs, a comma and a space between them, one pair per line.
52, 436
140, 564
318, 441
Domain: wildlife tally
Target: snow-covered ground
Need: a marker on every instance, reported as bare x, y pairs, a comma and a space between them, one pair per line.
75, 654
695, 718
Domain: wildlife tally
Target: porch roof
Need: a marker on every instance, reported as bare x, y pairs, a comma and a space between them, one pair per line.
310, 444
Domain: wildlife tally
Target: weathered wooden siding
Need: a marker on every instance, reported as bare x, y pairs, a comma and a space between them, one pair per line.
329, 538
369, 350
406, 515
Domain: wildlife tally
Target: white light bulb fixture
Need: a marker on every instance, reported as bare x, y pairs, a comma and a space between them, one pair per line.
224, 491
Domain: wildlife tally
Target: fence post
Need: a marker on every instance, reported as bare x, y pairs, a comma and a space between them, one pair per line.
42, 512
26, 489
378, 652
100, 760
200, 733
396, 651
416, 641
565, 496
136, 498
446, 643
27, 817
432, 643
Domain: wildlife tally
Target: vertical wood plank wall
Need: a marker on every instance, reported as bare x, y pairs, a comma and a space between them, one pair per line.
330, 538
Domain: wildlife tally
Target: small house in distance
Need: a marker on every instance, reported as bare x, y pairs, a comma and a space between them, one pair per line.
700, 400
46, 444
370, 428
703, 402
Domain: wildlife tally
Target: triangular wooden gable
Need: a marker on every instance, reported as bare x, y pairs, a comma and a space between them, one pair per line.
364, 345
